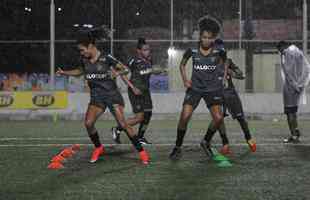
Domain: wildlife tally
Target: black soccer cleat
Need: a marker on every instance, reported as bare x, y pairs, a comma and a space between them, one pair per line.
116, 135
207, 148
143, 141
176, 153
293, 138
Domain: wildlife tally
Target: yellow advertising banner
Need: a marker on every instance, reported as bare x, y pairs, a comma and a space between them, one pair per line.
34, 100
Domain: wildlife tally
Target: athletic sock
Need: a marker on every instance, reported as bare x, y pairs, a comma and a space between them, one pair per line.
245, 128
180, 137
95, 139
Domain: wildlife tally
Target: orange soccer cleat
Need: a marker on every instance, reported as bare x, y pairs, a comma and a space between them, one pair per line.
96, 154
226, 150
252, 145
144, 157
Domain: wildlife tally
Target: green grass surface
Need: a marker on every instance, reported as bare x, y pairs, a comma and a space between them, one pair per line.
275, 171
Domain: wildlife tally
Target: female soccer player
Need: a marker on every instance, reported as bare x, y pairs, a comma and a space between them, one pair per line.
141, 69
99, 71
233, 104
207, 82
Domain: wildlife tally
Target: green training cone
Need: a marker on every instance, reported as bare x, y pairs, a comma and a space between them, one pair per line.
224, 163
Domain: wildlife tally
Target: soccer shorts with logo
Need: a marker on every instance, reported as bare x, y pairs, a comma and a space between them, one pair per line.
140, 103
232, 103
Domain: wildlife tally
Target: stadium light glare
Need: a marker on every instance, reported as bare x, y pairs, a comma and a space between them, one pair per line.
88, 25
172, 51
27, 9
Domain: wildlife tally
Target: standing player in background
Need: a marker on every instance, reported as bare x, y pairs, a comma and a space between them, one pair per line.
233, 104
206, 83
99, 71
141, 69
295, 73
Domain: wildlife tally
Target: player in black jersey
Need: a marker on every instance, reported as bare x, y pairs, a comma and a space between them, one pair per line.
141, 69
207, 82
233, 105
100, 70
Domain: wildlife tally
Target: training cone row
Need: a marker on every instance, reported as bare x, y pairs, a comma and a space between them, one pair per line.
221, 160
57, 161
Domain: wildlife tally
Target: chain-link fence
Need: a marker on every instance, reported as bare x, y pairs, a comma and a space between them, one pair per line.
250, 30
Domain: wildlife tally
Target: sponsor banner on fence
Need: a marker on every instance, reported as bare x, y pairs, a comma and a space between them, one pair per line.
34, 100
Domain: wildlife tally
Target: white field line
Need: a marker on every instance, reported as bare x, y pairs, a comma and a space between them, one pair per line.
87, 139
155, 145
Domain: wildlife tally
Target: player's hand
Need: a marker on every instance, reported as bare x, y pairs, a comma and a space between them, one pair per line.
136, 91
159, 70
188, 83
164, 71
60, 71
299, 89
114, 74
229, 72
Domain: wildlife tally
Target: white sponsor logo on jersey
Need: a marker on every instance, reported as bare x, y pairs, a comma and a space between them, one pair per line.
205, 67
96, 76
145, 71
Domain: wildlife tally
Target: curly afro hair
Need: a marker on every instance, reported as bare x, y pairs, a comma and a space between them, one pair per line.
210, 25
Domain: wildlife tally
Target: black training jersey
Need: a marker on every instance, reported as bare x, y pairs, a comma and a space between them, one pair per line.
238, 74
208, 71
141, 71
98, 74
230, 83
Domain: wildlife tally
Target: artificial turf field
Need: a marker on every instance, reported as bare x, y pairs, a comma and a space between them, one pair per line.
276, 171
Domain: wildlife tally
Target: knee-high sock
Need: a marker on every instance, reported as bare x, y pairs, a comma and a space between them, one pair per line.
222, 131
94, 137
180, 137
143, 125
210, 132
245, 128
135, 142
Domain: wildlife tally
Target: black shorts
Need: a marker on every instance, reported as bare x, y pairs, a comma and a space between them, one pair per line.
290, 109
232, 103
140, 103
102, 99
211, 98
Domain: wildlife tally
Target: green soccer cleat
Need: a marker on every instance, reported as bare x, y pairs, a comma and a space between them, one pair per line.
219, 158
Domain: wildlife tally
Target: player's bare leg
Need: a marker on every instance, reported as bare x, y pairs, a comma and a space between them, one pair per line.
92, 114
119, 116
217, 117
185, 117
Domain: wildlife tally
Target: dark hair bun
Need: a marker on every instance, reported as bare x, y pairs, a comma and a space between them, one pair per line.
141, 41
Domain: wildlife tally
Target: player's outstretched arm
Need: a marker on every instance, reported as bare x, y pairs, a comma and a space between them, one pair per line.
119, 69
158, 70
74, 72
